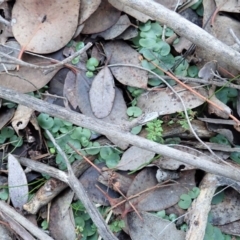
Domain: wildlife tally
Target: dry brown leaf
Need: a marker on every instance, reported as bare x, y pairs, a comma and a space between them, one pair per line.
134, 158
10, 48
5, 116
87, 8
17, 183
120, 52
103, 18
159, 198
69, 89
61, 224
27, 79
21, 118
130, 11
118, 28
228, 6
38, 25
166, 102
151, 226
118, 114
102, 93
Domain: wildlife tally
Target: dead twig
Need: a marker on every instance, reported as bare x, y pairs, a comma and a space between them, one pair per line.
53, 66
117, 131
77, 187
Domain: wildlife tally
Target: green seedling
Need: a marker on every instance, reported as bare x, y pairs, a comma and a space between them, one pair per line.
192, 71
235, 156
227, 95
182, 118
4, 194
44, 225
7, 135
117, 226
220, 139
186, 199
194, 192
134, 111
110, 156
218, 198
92, 63
154, 129
67, 135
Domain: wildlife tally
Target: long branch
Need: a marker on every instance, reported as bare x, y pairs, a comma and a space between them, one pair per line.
116, 131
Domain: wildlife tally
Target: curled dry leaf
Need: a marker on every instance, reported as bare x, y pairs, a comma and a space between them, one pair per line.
17, 183
102, 93
103, 18
87, 8
38, 25
120, 52
166, 102
134, 158
21, 117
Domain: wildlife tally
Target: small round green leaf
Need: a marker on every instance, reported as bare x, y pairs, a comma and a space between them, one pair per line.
194, 192
145, 26
185, 201
76, 60
147, 43
79, 46
93, 148
45, 121
134, 111
136, 130
192, 71
235, 156
162, 47
112, 160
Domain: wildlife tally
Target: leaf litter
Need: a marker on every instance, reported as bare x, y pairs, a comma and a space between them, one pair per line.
106, 96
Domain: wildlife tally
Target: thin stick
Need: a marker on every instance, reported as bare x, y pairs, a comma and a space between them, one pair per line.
77, 187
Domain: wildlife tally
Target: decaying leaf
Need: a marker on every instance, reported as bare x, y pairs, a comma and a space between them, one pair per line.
38, 25
102, 93
69, 89
27, 79
21, 118
228, 210
161, 197
87, 8
118, 28
166, 102
17, 183
130, 11
106, 14
120, 52
118, 114
61, 224
208, 70
6, 116
11, 48
134, 158
152, 228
